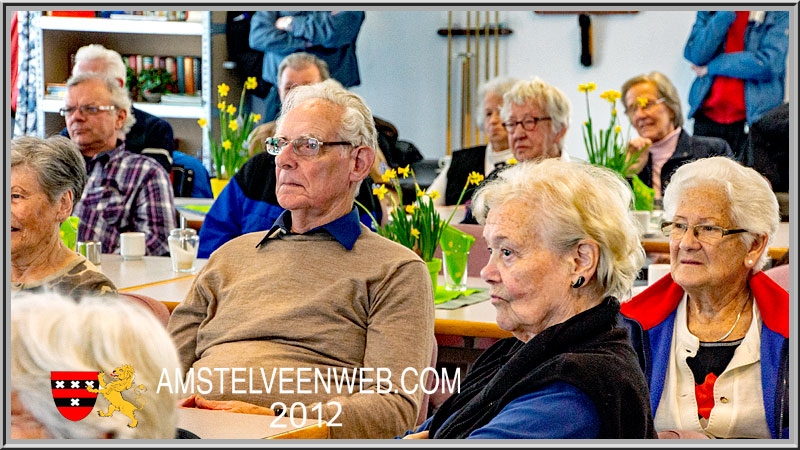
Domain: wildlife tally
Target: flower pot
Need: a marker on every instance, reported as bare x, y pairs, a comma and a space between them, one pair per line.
217, 185
434, 266
152, 97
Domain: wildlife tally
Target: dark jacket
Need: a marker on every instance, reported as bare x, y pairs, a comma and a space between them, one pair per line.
650, 318
463, 162
587, 351
249, 203
689, 148
768, 147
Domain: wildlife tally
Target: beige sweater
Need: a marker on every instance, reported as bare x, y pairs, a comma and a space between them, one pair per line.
305, 302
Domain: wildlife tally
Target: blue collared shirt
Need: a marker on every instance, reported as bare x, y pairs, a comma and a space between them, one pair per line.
345, 229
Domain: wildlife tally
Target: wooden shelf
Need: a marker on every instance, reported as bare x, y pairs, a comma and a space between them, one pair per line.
502, 31
98, 25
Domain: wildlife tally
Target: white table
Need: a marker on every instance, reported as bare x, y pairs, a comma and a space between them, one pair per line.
210, 424
147, 271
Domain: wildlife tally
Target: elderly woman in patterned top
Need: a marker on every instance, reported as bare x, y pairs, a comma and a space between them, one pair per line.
47, 178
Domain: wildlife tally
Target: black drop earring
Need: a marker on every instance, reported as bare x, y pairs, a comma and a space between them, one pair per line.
579, 282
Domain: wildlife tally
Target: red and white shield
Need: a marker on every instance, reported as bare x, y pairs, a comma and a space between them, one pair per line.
69, 392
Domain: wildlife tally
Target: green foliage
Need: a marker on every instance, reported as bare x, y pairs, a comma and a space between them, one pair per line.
157, 81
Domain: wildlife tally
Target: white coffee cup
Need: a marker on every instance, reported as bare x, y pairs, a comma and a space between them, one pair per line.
131, 245
642, 221
656, 271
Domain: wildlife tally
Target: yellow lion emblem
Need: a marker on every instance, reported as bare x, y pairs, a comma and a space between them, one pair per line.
113, 393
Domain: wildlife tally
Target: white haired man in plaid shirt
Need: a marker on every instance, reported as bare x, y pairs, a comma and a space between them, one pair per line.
125, 191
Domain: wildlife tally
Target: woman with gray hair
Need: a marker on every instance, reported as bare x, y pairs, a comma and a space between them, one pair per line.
716, 328
53, 336
654, 109
482, 158
536, 117
564, 248
47, 179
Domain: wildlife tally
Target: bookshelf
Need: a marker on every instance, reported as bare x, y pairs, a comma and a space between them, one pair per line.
59, 37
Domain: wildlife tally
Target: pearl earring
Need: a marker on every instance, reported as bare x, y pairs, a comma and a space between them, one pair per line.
749, 261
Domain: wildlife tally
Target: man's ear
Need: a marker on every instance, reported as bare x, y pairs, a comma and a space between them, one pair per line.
362, 157
122, 114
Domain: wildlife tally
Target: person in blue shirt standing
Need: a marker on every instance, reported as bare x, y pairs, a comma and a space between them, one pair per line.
328, 35
740, 61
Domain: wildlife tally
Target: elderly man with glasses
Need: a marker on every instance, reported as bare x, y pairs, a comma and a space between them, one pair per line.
316, 297
125, 191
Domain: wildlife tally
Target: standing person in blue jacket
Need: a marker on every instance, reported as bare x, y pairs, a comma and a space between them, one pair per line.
328, 35
740, 61
713, 334
563, 247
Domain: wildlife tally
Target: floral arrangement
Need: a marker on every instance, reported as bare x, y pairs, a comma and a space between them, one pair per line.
228, 154
608, 148
417, 226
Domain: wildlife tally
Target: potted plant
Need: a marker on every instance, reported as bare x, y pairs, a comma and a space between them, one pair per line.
417, 226
132, 83
608, 148
228, 153
155, 82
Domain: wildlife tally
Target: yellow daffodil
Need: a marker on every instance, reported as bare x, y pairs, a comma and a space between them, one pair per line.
420, 192
617, 129
221, 106
433, 195
404, 170
256, 117
380, 191
611, 96
231, 109
410, 209
223, 89
251, 83
642, 101
233, 125
614, 112
388, 175
590, 87
586, 123
512, 161
474, 178
202, 122
582, 88
415, 232
227, 144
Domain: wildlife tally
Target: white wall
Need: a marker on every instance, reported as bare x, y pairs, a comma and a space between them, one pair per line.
404, 77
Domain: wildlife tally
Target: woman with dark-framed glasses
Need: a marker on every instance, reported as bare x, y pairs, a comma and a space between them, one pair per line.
714, 332
654, 109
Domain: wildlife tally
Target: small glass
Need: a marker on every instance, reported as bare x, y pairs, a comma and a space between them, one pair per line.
183, 246
454, 265
656, 216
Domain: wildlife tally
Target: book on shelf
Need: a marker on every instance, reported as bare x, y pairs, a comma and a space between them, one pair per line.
169, 66
147, 62
181, 99
58, 90
198, 78
180, 69
188, 75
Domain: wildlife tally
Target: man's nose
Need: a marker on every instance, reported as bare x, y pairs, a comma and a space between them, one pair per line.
286, 158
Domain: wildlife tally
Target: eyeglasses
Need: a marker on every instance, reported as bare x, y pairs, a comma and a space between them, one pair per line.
710, 234
301, 146
87, 110
528, 123
648, 106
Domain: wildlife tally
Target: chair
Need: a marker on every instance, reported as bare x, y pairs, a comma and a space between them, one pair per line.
156, 307
430, 381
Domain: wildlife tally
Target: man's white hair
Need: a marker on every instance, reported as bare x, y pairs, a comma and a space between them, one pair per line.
50, 332
114, 66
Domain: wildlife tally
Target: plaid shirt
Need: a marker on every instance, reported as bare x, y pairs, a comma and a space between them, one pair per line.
126, 192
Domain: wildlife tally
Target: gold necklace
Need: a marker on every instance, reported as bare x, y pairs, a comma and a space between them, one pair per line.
738, 316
